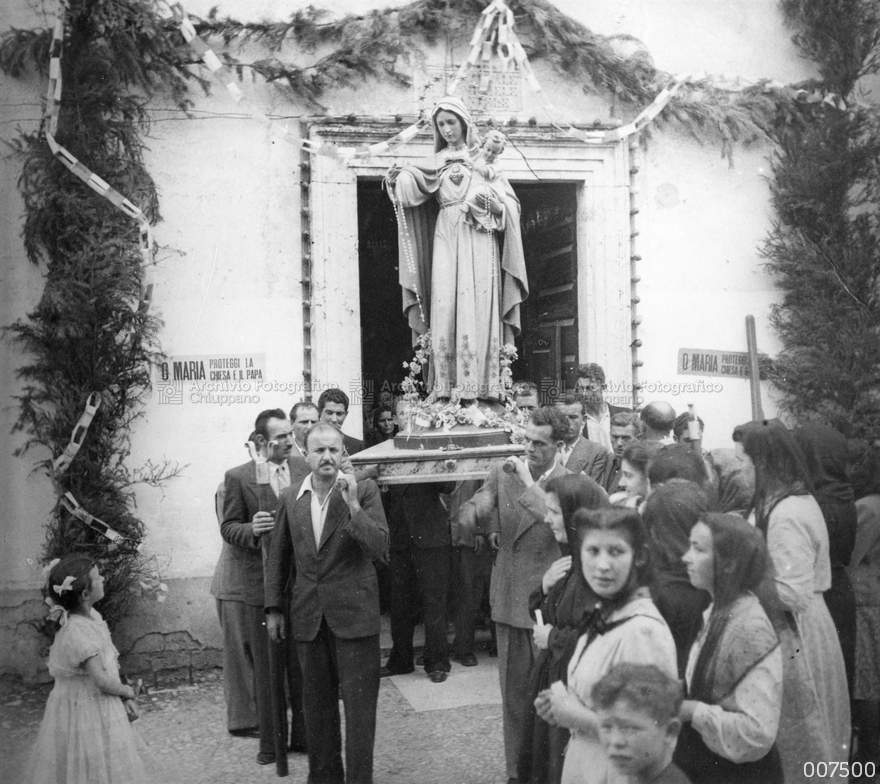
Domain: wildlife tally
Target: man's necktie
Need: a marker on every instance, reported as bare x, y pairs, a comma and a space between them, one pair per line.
280, 479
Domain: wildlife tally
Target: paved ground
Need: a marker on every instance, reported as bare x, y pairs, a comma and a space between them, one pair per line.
453, 738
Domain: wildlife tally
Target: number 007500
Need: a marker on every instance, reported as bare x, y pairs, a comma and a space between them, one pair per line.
824, 770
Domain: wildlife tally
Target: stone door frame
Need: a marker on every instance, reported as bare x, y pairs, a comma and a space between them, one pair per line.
601, 176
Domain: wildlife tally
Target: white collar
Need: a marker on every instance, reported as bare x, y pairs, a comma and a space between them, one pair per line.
306, 487
602, 415
547, 472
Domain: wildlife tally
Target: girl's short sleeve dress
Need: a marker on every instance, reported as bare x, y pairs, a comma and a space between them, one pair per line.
85, 737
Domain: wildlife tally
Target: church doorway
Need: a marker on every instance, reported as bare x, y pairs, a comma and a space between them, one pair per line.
386, 339
548, 345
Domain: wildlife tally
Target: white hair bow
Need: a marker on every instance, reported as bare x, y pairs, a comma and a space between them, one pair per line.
57, 613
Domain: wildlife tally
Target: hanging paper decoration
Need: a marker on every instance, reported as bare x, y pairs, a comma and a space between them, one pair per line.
225, 76
60, 464
53, 97
494, 39
73, 507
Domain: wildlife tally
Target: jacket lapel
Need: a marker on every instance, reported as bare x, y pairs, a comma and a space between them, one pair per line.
528, 514
576, 461
337, 509
303, 520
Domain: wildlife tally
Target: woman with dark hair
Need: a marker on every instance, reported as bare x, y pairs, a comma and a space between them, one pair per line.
676, 461
826, 456
634, 473
623, 626
815, 712
670, 513
563, 599
383, 423
864, 570
734, 669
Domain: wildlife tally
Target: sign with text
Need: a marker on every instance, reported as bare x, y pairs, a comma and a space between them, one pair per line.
214, 368
708, 362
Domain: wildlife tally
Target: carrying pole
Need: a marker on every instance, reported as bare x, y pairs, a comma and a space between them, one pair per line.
754, 371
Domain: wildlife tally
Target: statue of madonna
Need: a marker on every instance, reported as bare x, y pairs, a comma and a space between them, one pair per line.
461, 280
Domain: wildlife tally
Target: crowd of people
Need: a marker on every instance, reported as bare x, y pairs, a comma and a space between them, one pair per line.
660, 613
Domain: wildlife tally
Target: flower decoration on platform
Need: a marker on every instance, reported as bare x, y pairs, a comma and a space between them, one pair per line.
431, 414
410, 384
507, 356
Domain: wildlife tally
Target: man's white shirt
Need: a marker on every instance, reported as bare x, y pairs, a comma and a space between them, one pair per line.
318, 509
599, 429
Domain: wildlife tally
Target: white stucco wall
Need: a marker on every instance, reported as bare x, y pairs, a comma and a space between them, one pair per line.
228, 276
27, 497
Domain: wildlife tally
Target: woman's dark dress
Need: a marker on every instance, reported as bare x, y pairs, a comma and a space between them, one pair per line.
542, 749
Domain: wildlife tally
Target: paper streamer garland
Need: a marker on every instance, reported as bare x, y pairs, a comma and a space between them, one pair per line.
224, 75
493, 34
53, 97
151, 583
145, 240
61, 463
738, 84
73, 507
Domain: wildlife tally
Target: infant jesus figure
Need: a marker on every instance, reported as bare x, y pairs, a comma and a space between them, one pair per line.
476, 203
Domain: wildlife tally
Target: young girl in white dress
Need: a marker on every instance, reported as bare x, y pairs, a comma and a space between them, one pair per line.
85, 737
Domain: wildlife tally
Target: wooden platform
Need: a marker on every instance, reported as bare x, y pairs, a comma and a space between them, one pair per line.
448, 464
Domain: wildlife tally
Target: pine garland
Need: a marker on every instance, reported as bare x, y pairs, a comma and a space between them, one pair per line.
372, 45
825, 246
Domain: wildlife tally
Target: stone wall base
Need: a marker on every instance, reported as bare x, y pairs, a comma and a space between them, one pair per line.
156, 640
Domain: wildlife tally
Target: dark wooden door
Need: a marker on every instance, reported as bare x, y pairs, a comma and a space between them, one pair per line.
548, 346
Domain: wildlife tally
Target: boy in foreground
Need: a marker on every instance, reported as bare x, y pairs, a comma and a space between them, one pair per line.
638, 706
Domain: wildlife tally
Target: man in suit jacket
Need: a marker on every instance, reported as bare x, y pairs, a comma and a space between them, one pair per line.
238, 667
303, 416
333, 409
624, 431
591, 386
250, 499
421, 549
329, 530
580, 454
511, 508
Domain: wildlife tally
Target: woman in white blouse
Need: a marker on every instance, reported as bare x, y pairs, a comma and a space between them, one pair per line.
734, 671
815, 723
624, 626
